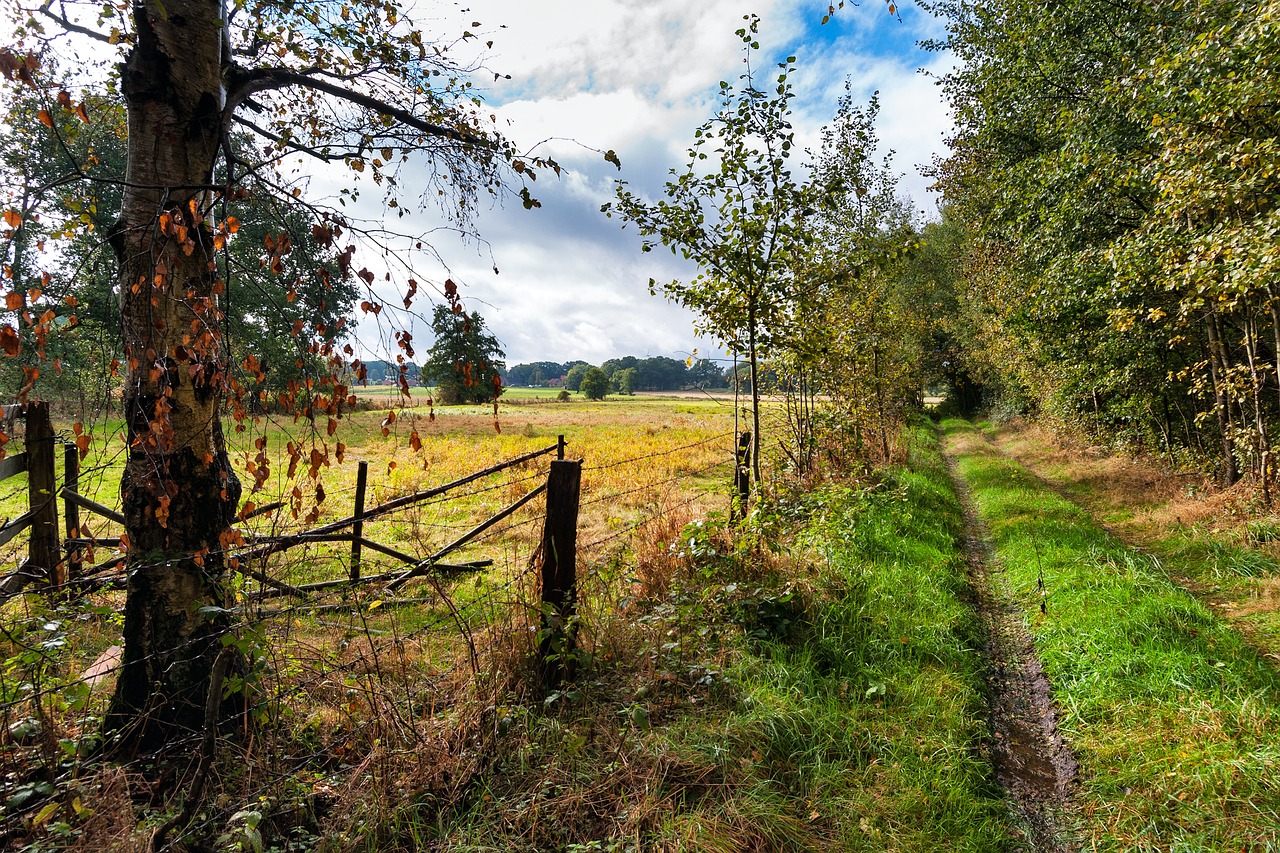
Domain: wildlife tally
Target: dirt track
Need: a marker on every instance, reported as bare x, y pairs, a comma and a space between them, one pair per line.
1032, 762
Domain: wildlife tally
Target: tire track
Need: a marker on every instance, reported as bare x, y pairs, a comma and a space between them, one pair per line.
1032, 761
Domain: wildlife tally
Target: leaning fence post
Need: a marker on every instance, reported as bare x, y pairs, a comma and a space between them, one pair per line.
43, 550
560, 447
70, 510
559, 570
357, 529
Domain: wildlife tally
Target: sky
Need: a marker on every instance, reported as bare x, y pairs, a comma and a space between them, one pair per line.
638, 77
575, 78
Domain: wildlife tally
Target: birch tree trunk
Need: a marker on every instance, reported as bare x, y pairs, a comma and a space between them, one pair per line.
179, 492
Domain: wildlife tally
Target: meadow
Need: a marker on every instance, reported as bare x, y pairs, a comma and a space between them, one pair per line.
351, 668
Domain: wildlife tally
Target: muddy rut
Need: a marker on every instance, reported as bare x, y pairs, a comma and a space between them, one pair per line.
1032, 762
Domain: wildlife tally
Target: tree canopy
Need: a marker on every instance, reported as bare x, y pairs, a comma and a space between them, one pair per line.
594, 384
465, 362
1115, 170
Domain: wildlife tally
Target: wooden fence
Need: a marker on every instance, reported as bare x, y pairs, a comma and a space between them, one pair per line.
60, 565
44, 558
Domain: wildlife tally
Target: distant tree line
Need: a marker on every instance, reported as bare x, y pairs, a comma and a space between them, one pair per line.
624, 375
542, 373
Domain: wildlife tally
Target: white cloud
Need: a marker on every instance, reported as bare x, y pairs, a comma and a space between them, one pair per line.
638, 77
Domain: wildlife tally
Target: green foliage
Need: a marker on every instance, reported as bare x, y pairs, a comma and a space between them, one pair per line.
705, 373
573, 379
1117, 171
286, 295
624, 381
594, 384
465, 360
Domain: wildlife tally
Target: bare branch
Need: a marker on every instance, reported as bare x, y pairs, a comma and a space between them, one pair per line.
246, 83
286, 143
63, 21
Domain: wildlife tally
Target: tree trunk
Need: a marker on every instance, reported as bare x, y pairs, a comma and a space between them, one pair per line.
1219, 371
755, 387
1262, 443
179, 492
880, 415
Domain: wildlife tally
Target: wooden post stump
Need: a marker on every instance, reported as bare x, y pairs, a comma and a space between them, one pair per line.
742, 478
559, 572
357, 529
44, 552
71, 510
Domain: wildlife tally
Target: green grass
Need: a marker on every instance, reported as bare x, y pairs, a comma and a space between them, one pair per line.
826, 694
1172, 716
865, 708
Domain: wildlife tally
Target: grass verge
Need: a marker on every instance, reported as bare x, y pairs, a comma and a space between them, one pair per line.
1223, 545
1172, 716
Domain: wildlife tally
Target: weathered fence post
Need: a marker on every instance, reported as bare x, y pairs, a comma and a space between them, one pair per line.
559, 571
70, 510
357, 529
560, 447
742, 477
43, 551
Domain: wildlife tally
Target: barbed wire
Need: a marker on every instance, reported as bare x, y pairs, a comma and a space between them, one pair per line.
668, 452
665, 510
649, 486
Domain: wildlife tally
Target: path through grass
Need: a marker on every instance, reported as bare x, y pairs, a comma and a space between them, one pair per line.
1172, 716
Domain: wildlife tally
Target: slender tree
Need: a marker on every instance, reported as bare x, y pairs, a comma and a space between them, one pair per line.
735, 210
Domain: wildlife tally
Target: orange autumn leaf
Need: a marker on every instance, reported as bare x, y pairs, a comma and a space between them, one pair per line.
45, 118
12, 218
9, 342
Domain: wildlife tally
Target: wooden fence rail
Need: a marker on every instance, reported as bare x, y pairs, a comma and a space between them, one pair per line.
47, 560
